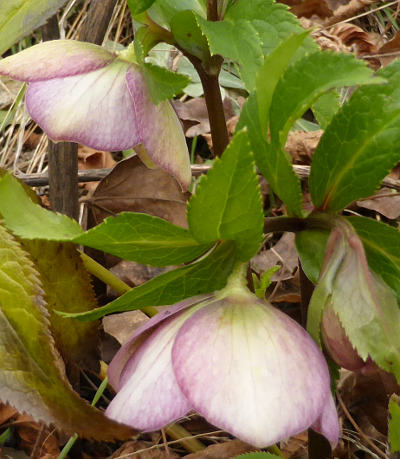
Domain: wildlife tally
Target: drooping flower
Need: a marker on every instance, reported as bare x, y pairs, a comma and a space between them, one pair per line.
357, 311
242, 364
83, 93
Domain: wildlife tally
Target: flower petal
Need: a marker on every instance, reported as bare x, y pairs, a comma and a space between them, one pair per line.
149, 397
55, 59
160, 131
328, 423
125, 353
257, 373
94, 109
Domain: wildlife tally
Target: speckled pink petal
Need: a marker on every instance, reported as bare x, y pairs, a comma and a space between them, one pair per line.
161, 135
94, 109
149, 397
55, 59
250, 369
328, 423
127, 350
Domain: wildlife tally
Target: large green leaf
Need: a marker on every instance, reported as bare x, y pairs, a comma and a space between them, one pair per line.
19, 18
359, 147
30, 221
162, 11
273, 162
204, 276
138, 6
145, 239
32, 374
68, 288
382, 246
306, 80
231, 190
394, 423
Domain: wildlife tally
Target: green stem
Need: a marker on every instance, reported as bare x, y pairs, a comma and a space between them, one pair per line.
175, 431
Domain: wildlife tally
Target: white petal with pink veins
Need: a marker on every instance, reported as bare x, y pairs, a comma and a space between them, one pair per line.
250, 369
161, 135
149, 397
55, 59
94, 109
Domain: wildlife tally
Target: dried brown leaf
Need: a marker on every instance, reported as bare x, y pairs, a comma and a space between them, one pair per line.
301, 145
146, 451
389, 51
223, 450
386, 202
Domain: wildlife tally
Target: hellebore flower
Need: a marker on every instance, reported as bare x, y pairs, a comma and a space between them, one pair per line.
83, 93
357, 311
242, 364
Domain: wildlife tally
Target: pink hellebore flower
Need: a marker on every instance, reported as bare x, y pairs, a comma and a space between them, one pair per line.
83, 93
242, 364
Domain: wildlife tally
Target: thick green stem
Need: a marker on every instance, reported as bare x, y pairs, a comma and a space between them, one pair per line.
177, 432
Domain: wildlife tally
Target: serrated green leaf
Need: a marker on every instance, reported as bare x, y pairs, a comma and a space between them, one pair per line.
310, 246
145, 239
326, 107
238, 41
138, 6
188, 34
359, 147
394, 423
270, 73
274, 163
68, 288
232, 191
30, 221
317, 72
257, 456
204, 276
162, 83
273, 23
32, 374
19, 18
382, 246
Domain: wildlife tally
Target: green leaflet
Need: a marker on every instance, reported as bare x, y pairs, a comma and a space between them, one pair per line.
68, 287
394, 423
382, 246
326, 107
306, 80
187, 33
204, 276
273, 162
145, 239
32, 374
232, 191
359, 147
19, 18
139, 6
30, 221
162, 11
162, 83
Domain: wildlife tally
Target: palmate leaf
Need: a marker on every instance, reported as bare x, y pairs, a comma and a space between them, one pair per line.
32, 375
232, 191
204, 276
18, 18
145, 239
359, 147
137, 237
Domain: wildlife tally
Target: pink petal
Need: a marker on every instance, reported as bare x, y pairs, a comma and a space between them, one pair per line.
160, 131
94, 109
149, 397
55, 59
250, 369
328, 423
121, 358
